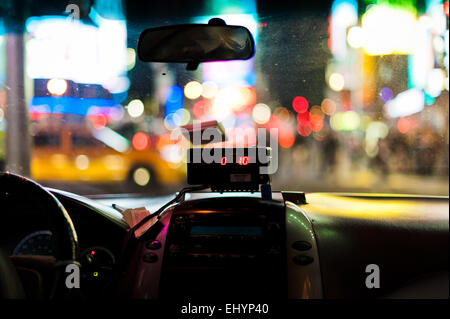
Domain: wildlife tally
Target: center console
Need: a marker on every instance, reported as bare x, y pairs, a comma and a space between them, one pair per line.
215, 245
225, 246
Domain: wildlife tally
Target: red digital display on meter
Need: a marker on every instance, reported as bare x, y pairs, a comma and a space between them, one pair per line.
242, 160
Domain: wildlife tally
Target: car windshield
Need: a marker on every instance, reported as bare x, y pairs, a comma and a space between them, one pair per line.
356, 91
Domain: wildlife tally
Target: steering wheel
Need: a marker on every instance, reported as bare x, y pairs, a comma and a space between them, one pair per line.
13, 189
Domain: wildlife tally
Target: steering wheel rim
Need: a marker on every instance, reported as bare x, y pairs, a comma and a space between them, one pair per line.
68, 251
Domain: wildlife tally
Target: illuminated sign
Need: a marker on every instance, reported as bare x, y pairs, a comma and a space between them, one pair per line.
76, 51
406, 103
389, 30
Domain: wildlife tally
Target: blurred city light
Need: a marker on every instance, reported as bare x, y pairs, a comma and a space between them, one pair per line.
184, 117
283, 114
112, 139
113, 162
172, 121
141, 176
230, 99
396, 33
316, 111
131, 58
386, 94
435, 82
91, 54
344, 14
82, 162
98, 120
406, 103
261, 113
421, 62
316, 123
304, 128
336, 81
355, 37
345, 121
209, 89
172, 153
300, 104
202, 109
438, 44
57, 86
135, 108
174, 99
72, 105
405, 124
328, 106
376, 130
193, 90
140, 141
286, 137
437, 15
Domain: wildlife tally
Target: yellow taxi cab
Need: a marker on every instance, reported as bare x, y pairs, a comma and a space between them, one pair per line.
75, 154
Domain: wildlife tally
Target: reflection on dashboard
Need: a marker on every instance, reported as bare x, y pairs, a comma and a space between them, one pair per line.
37, 243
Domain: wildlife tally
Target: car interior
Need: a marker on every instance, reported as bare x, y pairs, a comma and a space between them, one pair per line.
225, 230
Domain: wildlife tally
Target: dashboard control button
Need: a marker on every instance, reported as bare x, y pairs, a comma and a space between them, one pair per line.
150, 258
153, 245
303, 260
301, 245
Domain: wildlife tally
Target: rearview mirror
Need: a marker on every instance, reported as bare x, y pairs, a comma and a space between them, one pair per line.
194, 43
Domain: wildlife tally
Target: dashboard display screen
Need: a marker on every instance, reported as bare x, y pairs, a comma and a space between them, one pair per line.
226, 230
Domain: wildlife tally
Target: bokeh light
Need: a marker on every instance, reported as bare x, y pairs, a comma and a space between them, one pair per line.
303, 117
336, 81
57, 86
355, 37
283, 114
261, 113
328, 106
386, 94
135, 108
140, 141
131, 58
172, 121
435, 83
209, 89
99, 121
316, 111
300, 104
345, 121
184, 117
141, 176
406, 124
193, 90
286, 137
82, 162
227, 100
201, 109
316, 122
304, 128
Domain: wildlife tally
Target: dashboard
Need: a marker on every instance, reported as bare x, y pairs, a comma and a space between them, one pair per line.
100, 230
294, 246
